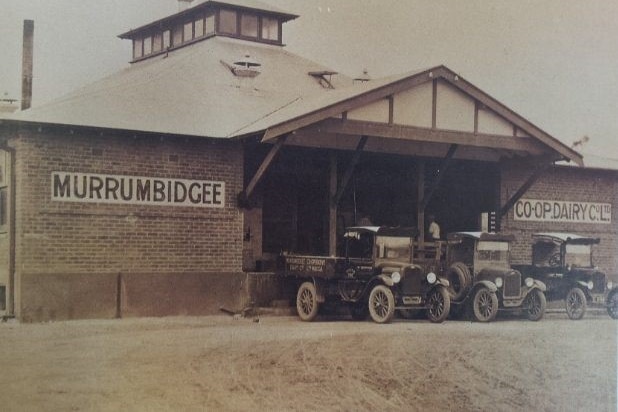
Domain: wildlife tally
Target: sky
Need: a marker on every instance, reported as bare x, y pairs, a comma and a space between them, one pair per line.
554, 62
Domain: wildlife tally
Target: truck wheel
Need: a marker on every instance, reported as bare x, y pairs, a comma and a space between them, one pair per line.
576, 304
459, 279
359, 311
438, 305
381, 304
535, 304
307, 302
485, 305
612, 305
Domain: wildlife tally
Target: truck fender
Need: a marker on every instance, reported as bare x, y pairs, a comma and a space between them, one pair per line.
442, 282
487, 284
584, 286
539, 285
386, 280
320, 290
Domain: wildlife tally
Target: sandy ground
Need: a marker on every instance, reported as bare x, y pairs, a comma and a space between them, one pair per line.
280, 363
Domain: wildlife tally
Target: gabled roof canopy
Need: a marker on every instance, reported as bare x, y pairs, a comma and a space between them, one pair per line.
431, 107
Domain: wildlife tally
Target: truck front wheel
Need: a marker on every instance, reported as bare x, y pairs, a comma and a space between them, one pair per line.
381, 304
438, 305
307, 302
485, 305
576, 304
535, 304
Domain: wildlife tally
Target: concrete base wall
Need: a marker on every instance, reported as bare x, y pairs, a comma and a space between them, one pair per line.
52, 297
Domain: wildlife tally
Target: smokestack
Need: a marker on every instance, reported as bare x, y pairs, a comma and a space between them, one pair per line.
26, 65
184, 4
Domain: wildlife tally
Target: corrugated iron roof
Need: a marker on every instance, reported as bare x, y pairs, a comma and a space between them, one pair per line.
190, 92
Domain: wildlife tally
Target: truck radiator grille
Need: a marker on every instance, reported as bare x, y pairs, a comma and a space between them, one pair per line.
512, 285
599, 282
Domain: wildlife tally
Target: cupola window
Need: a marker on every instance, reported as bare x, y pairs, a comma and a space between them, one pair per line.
210, 18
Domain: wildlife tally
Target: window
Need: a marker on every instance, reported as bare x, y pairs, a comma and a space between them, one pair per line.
157, 42
249, 25
137, 48
147, 45
228, 22
188, 31
210, 24
199, 28
166, 39
177, 36
270, 29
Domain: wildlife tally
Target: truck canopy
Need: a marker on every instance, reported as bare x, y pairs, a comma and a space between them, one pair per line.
496, 237
569, 238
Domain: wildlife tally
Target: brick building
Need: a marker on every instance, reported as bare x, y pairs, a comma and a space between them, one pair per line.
170, 187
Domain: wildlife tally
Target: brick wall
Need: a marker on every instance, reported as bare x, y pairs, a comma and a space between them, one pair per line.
64, 238
565, 184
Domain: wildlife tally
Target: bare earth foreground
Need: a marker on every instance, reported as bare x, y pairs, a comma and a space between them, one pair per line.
280, 363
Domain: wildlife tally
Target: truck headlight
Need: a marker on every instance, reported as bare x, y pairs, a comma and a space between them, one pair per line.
396, 277
499, 282
431, 278
529, 282
590, 285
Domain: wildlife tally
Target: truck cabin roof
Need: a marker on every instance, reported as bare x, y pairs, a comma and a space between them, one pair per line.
568, 238
495, 237
384, 231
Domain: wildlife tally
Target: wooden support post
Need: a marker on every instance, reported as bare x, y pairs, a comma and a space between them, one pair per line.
442, 171
350, 170
420, 186
332, 209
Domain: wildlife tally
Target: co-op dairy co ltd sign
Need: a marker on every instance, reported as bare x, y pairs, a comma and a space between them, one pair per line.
136, 190
536, 210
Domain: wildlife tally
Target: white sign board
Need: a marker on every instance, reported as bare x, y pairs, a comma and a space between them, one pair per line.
136, 190
535, 210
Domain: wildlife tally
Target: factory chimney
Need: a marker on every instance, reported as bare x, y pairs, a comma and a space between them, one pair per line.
26, 65
184, 4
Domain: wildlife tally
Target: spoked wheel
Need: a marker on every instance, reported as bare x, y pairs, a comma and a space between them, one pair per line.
485, 305
438, 305
381, 304
576, 304
307, 302
535, 304
612, 305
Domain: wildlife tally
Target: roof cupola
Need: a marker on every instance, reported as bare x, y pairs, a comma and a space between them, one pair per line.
249, 20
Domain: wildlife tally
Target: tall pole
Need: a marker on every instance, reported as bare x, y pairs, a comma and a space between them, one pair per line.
26, 65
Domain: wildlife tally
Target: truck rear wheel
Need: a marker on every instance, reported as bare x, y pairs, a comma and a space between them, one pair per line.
438, 305
381, 304
307, 304
485, 305
575, 304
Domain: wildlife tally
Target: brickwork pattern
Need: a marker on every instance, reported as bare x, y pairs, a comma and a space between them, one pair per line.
565, 184
67, 237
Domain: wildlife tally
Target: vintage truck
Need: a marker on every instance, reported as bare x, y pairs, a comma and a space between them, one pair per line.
564, 262
375, 276
480, 276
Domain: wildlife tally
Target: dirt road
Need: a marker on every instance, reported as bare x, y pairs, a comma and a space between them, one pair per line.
280, 363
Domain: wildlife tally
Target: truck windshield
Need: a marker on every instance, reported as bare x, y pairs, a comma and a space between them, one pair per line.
494, 251
394, 248
578, 255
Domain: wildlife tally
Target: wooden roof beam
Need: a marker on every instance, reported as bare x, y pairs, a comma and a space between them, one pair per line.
413, 133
